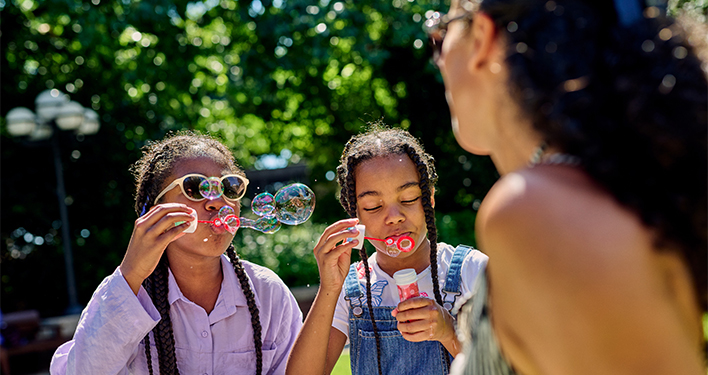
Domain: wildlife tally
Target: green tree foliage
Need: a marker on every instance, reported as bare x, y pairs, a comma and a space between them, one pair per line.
294, 79
695, 8
284, 79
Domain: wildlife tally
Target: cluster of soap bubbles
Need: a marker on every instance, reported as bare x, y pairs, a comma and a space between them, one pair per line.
292, 205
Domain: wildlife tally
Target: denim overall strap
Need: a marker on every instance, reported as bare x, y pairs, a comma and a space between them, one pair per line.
453, 278
352, 291
398, 355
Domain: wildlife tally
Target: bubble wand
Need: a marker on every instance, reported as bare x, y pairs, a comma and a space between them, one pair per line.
393, 246
404, 244
292, 205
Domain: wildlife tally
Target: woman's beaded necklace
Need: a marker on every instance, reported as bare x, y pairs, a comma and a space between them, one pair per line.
557, 158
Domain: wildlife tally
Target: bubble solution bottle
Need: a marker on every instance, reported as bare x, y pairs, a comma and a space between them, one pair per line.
407, 282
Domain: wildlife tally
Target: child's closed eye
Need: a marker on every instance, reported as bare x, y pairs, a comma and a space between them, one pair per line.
411, 200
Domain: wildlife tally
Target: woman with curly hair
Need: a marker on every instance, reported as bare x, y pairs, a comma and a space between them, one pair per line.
595, 114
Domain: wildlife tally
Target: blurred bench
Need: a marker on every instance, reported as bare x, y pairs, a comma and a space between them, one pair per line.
25, 332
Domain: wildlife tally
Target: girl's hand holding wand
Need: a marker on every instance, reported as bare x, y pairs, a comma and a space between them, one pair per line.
151, 235
333, 254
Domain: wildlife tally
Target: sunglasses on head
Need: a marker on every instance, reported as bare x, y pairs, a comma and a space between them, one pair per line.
197, 187
437, 23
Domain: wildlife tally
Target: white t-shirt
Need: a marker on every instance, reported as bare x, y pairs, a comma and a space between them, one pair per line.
385, 293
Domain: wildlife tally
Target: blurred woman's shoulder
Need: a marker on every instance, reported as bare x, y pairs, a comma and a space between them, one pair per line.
562, 249
560, 211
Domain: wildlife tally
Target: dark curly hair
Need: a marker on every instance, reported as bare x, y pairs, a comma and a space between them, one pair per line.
158, 162
630, 101
380, 141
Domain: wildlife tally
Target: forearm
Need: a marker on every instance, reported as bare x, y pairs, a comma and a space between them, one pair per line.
449, 339
452, 345
309, 354
134, 282
108, 333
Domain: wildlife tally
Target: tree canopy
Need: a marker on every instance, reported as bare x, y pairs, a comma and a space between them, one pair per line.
281, 82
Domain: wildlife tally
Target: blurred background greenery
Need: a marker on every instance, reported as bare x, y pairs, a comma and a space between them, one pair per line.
284, 83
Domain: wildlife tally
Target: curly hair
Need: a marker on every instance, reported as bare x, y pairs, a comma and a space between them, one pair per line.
157, 163
630, 102
380, 141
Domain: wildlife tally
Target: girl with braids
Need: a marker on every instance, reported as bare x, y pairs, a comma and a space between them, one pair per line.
595, 114
387, 184
177, 304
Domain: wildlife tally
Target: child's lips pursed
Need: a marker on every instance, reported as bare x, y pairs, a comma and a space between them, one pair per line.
397, 236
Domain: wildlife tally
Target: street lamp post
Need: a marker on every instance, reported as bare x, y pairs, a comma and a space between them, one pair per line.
54, 113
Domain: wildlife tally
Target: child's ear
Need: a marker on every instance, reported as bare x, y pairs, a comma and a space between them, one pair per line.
432, 197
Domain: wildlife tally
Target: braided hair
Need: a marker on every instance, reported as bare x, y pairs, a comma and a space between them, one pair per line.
150, 172
380, 141
630, 101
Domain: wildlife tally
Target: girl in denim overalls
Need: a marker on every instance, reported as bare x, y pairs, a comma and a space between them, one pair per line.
387, 183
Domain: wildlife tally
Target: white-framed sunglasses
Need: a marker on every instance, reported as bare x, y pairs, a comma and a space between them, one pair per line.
198, 187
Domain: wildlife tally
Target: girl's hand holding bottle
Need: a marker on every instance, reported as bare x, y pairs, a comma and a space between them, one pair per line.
422, 319
152, 233
333, 254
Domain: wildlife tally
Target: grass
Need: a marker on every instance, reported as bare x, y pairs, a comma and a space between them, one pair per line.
342, 367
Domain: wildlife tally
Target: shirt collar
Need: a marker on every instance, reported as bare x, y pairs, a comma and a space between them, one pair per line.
229, 297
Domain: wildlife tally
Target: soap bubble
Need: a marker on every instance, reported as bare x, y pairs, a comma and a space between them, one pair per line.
390, 250
233, 221
226, 212
227, 216
405, 244
210, 188
263, 204
265, 224
294, 204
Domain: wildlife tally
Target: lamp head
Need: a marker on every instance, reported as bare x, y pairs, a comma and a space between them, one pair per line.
48, 102
20, 122
90, 124
70, 116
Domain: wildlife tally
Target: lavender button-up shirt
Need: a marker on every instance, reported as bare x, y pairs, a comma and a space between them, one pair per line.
109, 337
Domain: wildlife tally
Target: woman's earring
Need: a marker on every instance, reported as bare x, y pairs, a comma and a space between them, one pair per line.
495, 68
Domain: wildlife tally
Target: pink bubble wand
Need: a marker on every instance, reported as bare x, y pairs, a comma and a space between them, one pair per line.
403, 243
230, 222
